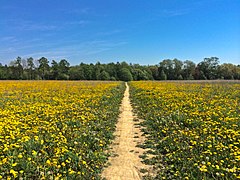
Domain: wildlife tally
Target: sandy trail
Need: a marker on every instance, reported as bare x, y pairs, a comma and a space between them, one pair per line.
126, 164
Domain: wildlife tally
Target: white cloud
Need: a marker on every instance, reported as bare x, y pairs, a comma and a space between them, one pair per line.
172, 13
82, 49
30, 26
80, 22
8, 38
109, 33
85, 10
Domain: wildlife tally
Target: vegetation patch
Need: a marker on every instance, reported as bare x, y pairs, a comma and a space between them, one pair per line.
193, 128
56, 129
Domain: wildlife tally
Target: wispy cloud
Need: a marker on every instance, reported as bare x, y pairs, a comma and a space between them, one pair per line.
82, 49
80, 22
176, 12
7, 50
84, 10
109, 33
9, 39
27, 25
30, 26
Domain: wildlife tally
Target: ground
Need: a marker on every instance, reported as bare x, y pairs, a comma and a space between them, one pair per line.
125, 164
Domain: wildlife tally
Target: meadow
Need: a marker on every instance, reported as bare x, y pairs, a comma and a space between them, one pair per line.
63, 129
192, 128
56, 129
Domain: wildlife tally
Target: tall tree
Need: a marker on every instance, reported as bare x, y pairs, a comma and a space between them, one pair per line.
76, 73
168, 68
104, 76
54, 70
30, 68
44, 68
177, 68
125, 75
4, 74
229, 71
64, 66
162, 75
209, 67
154, 70
188, 70
19, 67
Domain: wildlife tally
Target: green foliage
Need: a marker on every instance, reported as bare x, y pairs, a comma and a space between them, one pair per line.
192, 128
167, 69
104, 76
163, 76
44, 68
125, 75
57, 129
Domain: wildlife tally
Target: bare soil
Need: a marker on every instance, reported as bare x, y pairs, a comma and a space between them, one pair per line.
125, 163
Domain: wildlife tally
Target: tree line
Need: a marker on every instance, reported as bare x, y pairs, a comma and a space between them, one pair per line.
167, 69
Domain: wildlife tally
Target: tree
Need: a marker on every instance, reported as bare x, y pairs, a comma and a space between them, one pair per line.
30, 68
180, 77
19, 67
168, 68
154, 70
162, 75
44, 68
64, 66
138, 74
88, 70
76, 73
209, 67
54, 70
229, 71
111, 70
4, 74
104, 76
177, 68
188, 70
125, 75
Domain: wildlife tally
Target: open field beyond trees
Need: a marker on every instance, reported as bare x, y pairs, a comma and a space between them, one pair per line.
63, 129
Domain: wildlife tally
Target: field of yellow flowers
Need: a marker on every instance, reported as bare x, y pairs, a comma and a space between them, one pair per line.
192, 128
56, 129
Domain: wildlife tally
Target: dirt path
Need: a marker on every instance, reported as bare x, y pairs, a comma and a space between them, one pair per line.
126, 164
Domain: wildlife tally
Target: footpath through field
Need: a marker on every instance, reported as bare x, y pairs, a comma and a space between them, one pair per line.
126, 163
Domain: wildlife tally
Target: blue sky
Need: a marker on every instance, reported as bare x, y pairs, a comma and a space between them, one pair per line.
136, 31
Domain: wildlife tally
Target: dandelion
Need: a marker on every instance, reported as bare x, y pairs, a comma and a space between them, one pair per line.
14, 164
34, 153
14, 173
48, 162
201, 119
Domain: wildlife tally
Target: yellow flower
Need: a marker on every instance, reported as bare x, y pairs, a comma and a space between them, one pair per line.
48, 162
34, 153
63, 164
71, 171
203, 168
42, 141
14, 164
14, 173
